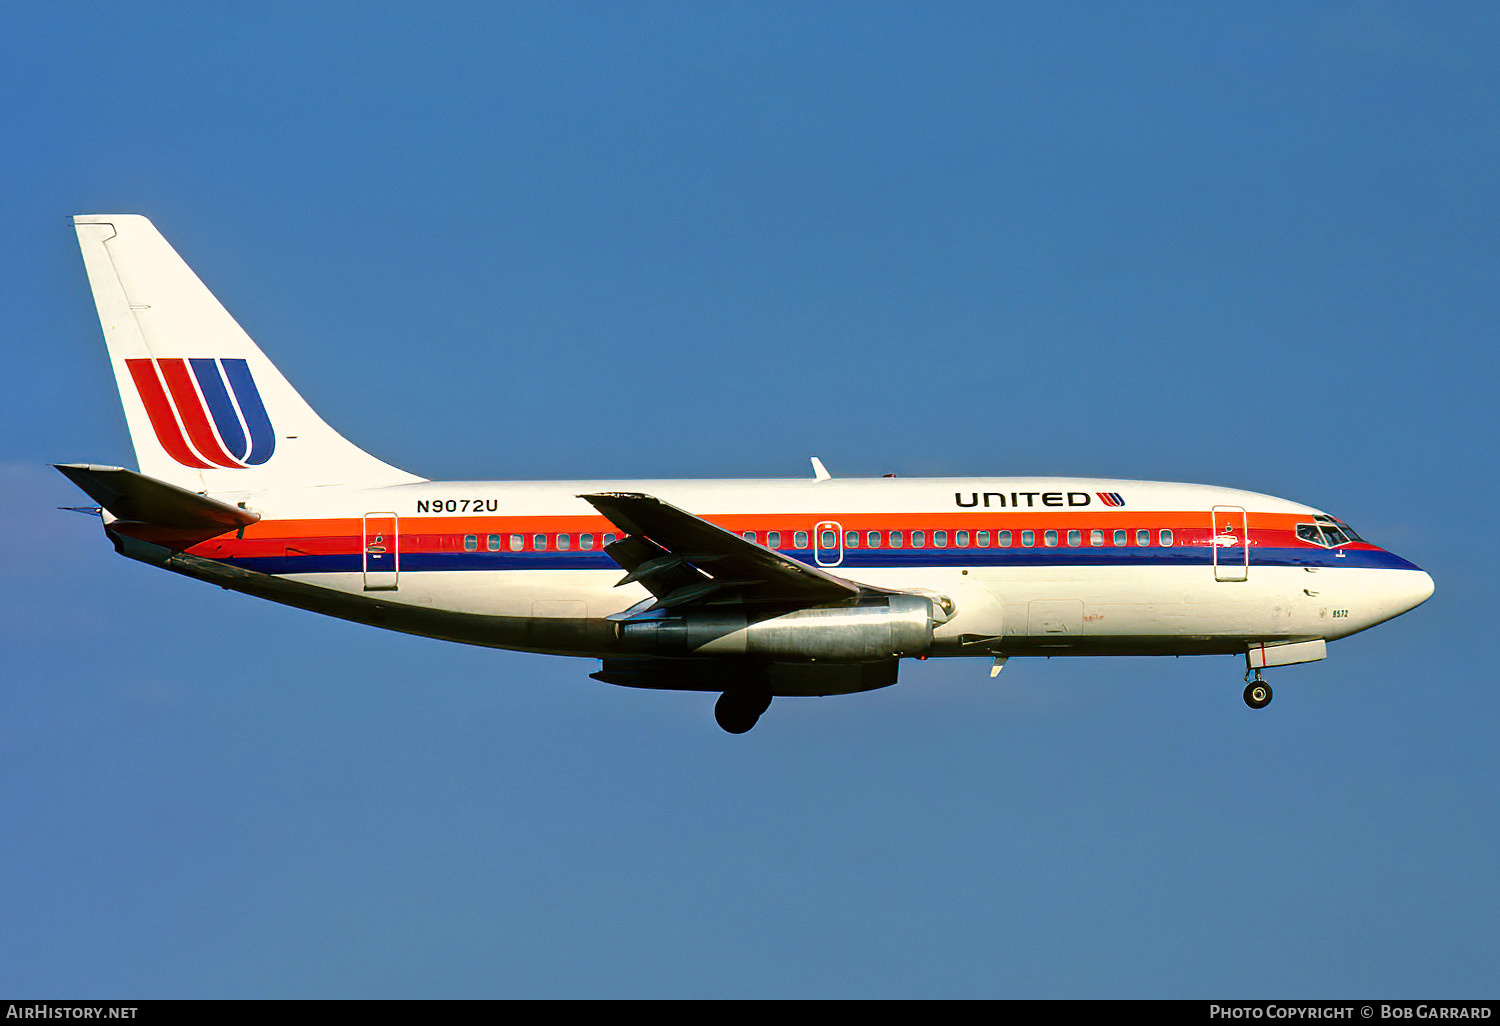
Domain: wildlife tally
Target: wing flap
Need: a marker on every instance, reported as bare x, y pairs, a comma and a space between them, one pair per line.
653, 566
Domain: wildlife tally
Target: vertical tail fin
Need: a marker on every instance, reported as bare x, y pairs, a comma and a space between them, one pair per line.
206, 410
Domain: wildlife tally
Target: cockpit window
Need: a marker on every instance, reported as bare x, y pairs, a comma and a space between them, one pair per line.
1327, 532
1346, 529
1332, 536
1340, 530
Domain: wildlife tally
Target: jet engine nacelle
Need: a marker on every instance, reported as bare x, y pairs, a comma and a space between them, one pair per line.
887, 627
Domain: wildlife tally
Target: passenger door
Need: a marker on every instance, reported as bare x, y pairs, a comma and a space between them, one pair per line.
1230, 543
381, 551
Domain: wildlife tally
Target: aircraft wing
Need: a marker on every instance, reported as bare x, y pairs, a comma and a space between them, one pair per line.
681, 558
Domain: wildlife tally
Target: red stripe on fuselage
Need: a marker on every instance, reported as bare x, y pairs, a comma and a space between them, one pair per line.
444, 534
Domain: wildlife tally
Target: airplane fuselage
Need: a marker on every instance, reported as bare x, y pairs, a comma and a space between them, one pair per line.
1037, 566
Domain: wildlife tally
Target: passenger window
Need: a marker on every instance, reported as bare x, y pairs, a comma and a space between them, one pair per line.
471, 542
1075, 538
585, 541
609, 539
1002, 540
1143, 537
517, 542
872, 539
564, 542
748, 536
1164, 538
829, 540
801, 539
1121, 539
940, 539
492, 543
982, 539
896, 540
1028, 538
1096, 537
919, 539
961, 539
851, 539
773, 540
539, 542
1049, 539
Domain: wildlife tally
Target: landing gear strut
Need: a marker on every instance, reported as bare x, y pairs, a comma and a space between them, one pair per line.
1257, 691
739, 710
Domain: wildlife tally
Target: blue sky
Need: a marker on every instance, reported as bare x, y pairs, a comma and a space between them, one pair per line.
1253, 246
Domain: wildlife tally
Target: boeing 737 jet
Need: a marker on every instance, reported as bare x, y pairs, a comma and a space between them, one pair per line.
750, 589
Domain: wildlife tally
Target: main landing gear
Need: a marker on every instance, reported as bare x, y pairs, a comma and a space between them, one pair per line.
739, 709
1257, 691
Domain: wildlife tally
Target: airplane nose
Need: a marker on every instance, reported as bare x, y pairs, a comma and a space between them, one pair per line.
1408, 590
1420, 589
1399, 590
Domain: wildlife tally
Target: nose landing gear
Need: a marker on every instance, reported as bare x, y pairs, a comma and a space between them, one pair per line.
1257, 691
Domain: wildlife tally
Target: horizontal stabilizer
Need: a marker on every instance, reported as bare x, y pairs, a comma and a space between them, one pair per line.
132, 496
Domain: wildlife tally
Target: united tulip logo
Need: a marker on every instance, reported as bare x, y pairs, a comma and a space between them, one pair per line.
206, 412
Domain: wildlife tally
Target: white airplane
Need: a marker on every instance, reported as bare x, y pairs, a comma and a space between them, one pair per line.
751, 588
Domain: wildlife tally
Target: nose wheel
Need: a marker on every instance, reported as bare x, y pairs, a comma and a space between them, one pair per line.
1257, 692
